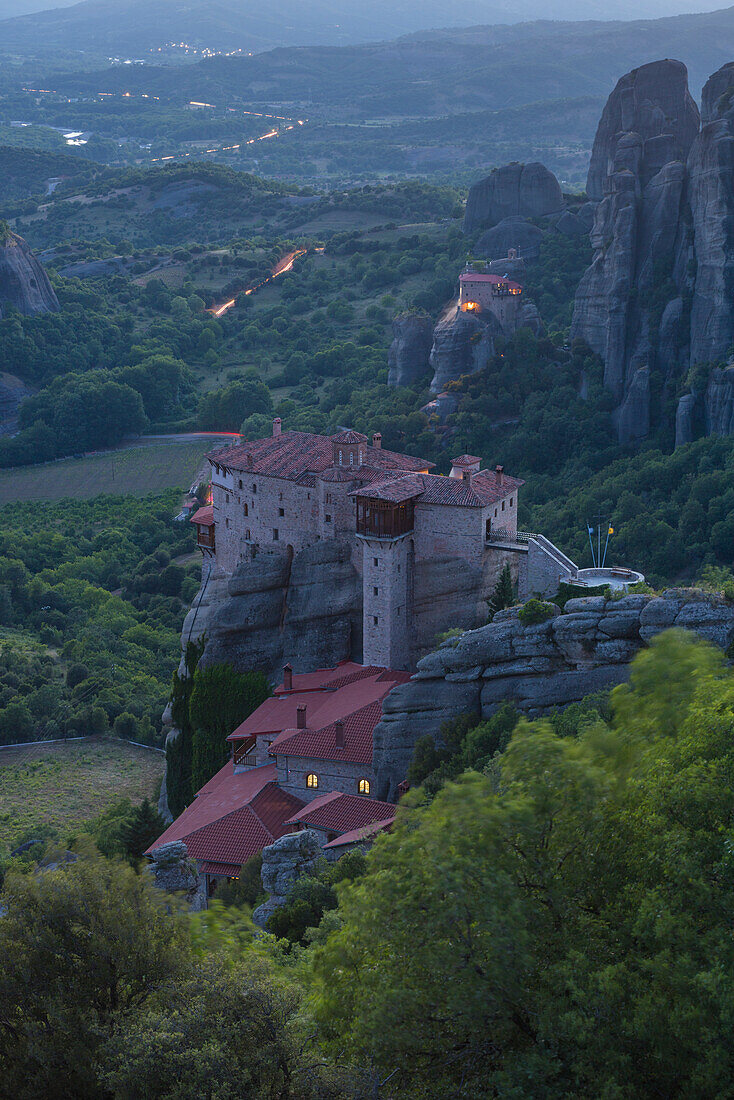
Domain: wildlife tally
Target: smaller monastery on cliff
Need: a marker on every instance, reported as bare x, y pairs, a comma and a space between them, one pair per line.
413, 535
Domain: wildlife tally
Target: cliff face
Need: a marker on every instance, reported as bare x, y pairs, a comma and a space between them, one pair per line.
306, 610
23, 281
462, 344
587, 649
407, 359
515, 190
659, 295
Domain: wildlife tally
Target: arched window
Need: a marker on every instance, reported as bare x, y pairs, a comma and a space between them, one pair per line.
363, 786
340, 458
312, 780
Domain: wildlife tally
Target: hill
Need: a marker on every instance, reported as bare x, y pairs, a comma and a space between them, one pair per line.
140, 26
439, 73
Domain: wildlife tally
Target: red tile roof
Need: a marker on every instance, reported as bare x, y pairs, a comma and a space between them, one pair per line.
292, 455
233, 816
465, 460
349, 436
232, 870
481, 277
355, 835
481, 490
344, 813
320, 744
204, 516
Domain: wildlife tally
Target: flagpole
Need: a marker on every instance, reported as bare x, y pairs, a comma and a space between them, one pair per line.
590, 531
609, 531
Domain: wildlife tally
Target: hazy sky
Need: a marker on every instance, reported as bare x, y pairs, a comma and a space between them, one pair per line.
472, 11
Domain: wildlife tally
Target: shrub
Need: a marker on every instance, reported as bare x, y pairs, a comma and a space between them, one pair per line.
536, 611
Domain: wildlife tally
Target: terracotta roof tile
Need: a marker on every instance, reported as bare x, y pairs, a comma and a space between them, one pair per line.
294, 455
204, 516
355, 835
344, 813
481, 277
349, 436
481, 490
320, 744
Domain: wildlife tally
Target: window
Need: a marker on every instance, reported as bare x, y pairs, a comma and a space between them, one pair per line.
281, 511
226, 522
247, 534
245, 509
276, 535
226, 497
375, 620
376, 562
254, 488
340, 458
510, 502
327, 518
312, 780
280, 496
240, 483
495, 513
328, 498
363, 786
375, 591
503, 505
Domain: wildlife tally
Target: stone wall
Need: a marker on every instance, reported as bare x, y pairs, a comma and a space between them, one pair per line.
587, 649
332, 776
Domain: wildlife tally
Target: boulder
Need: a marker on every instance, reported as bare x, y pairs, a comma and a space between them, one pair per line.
24, 283
514, 232
408, 357
538, 668
524, 190
462, 344
285, 861
175, 873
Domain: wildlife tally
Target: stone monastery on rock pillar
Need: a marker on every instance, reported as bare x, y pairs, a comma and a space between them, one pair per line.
428, 548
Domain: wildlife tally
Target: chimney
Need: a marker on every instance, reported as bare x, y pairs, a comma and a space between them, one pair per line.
498, 470
277, 424
301, 716
377, 440
466, 475
287, 677
249, 461
339, 734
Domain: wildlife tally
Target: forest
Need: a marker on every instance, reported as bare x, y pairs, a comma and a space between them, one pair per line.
558, 914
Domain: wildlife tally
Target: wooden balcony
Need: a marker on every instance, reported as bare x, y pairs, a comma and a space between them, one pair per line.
205, 537
382, 519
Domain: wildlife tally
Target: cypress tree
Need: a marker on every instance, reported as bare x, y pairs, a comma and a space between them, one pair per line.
143, 826
504, 593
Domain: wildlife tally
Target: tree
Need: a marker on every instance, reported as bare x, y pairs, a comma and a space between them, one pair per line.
221, 699
84, 947
143, 826
563, 919
504, 592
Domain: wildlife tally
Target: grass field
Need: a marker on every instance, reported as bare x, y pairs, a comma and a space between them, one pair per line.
135, 471
64, 784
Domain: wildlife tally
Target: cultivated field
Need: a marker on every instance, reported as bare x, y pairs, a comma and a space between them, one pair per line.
135, 471
67, 783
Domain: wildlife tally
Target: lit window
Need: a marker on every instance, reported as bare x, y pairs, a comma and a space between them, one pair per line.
363, 786
312, 780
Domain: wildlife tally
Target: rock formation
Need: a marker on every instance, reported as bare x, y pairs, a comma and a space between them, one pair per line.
463, 343
524, 190
23, 282
285, 861
551, 664
659, 295
306, 609
719, 404
407, 358
514, 232
174, 872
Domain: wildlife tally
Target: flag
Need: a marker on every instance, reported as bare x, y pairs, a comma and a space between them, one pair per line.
611, 530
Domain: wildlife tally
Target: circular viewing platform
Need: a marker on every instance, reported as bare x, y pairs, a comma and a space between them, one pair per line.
615, 578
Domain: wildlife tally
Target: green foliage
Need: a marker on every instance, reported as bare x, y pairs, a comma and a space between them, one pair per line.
221, 699
535, 611
504, 592
247, 888
311, 896
84, 948
565, 917
465, 743
142, 827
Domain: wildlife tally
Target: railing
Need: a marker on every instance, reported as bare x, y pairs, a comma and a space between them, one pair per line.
244, 757
506, 536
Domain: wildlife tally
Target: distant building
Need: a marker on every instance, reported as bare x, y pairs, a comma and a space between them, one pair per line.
484, 293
